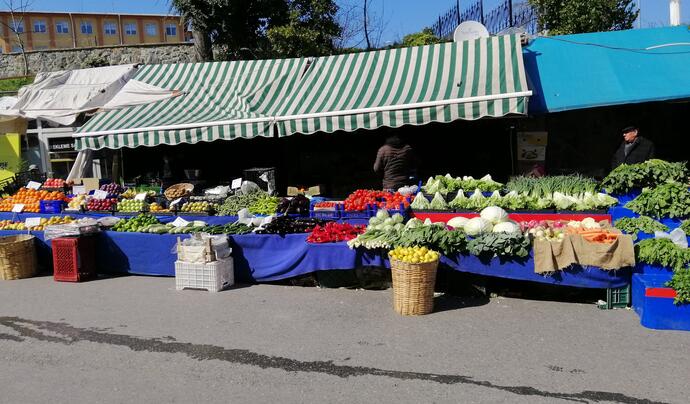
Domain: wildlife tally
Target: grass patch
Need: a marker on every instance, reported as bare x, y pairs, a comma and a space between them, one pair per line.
15, 83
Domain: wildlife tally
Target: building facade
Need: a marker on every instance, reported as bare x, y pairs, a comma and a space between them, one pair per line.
53, 30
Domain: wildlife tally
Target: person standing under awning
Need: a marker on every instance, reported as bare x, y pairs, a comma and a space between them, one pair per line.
396, 161
634, 148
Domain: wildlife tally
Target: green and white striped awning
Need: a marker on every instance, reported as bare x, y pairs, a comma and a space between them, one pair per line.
395, 87
219, 100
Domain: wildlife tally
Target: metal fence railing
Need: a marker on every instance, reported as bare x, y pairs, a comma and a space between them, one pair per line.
508, 14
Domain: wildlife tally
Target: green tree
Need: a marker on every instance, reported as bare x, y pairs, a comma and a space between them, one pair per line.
423, 37
309, 30
238, 29
235, 26
577, 16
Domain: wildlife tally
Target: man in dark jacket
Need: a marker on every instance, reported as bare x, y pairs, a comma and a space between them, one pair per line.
634, 149
396, 161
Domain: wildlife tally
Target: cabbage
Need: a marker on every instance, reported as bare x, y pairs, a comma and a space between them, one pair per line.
420, 202
398, 218
438, 202
459, 201
382, 214
458, 222
494, 214
506, 227
477, 226
412, 223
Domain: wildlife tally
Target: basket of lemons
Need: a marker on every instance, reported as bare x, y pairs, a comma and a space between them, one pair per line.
414, 275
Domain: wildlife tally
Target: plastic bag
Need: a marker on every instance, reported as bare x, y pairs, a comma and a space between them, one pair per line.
249, 187
193, 249
678, 237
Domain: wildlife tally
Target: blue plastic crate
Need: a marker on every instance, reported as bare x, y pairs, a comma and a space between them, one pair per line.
325, 214
51, 206
653, 302
647, 269
364, 214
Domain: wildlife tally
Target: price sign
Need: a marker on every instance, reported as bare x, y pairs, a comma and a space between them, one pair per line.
236, 183
18, 208
176, 201
32, 222
78, 189
180, 222
33, 185
98, 194
140, 197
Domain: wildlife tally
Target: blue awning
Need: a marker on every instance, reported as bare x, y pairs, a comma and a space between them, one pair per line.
608, 68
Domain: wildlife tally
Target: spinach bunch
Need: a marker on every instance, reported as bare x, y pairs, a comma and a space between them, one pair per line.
662, 251
681, 284
650, 173
435, 237
668, 200
633, 225
504, 245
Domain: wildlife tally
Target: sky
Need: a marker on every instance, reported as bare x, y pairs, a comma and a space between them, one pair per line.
399, 17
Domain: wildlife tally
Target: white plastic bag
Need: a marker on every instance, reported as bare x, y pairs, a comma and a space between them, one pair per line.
678, 237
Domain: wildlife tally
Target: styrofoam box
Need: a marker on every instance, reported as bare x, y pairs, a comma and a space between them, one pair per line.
212, 276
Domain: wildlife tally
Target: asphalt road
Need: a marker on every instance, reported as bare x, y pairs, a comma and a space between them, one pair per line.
137, 340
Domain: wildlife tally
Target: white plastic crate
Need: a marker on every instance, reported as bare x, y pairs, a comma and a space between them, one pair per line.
212, 276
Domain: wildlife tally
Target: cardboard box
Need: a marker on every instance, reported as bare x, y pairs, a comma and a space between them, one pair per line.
311, 191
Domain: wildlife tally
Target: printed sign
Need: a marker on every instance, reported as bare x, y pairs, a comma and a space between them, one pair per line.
140, 197
32, 222
78, 189
236, 183
18, 208
98, 194
33, 185
175, 202
180, 222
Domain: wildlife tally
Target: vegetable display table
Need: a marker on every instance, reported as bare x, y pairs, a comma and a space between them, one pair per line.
269, 257
518, 217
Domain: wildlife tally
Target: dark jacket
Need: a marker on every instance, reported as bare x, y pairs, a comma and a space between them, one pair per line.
642, 150
396, 163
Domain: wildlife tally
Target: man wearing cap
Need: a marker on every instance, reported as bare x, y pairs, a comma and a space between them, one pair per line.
634, 149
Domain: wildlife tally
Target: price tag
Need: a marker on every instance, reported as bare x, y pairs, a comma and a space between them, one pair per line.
236, 183
18, 208
32, 222
140, 197
98, 194
180, 222
176, 201
78, 189
33, 185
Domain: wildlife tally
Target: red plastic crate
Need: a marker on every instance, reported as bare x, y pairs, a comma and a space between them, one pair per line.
74, 258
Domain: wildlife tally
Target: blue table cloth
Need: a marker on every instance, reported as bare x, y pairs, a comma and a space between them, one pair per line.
267, 257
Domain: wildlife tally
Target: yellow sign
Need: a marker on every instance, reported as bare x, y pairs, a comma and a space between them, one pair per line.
10, 150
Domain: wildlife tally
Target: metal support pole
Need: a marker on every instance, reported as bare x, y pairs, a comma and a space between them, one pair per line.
457, 8
481, 11
510, 12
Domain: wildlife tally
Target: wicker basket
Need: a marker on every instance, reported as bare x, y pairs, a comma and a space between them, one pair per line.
185, 187
17, 257
413, 287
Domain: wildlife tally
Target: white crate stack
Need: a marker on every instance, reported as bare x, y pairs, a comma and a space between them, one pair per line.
198, 267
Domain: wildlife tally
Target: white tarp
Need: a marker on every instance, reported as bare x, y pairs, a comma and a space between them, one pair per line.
60, 97
7, 102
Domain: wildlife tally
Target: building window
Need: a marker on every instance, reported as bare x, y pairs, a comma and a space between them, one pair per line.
39, 26
130, 29
62, 27
110, 28
16, 49
151, 29
18, 26
171, 30
86, 27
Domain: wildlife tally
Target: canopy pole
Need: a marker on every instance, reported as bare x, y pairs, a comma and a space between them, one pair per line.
425, 104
